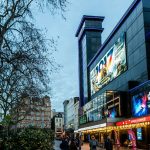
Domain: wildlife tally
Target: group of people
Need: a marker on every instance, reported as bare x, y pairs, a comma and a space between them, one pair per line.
94, 143
69, 143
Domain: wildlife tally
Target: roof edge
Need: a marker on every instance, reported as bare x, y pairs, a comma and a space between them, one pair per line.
126, 14
87, 17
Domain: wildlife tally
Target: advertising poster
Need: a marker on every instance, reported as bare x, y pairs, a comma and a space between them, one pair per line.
133, 138
140, 104
139, 133
112, 64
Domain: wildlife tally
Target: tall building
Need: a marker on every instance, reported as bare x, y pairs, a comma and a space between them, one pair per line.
89, 40
69, 113
39, 113
115, 78
65, 103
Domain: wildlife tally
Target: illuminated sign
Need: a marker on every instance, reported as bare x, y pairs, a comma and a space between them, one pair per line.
139, 133
110, 66
93, 127
133, 121
141, 104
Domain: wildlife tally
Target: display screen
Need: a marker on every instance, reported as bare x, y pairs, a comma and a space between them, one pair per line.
112, 113
112, 64
139, 133
141, 104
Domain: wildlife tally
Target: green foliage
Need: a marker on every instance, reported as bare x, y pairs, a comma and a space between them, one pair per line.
7, 121
29, 139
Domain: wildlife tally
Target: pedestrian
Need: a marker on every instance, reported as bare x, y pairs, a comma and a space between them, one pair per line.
93, 143
72, 145
64, 144
78, 142
108, 144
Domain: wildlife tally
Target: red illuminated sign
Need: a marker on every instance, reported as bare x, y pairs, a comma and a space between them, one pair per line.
133, 121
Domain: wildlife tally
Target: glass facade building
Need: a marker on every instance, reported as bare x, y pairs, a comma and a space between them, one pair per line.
110, 72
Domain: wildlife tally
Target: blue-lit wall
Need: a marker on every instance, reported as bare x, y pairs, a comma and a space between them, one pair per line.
88, 43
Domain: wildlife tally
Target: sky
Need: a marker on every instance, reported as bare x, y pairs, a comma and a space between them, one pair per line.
65, 83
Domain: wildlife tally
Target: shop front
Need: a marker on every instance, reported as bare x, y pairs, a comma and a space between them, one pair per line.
136, 130
100, 132
100, 115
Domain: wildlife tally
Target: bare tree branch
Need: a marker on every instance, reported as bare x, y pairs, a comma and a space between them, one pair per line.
23, 53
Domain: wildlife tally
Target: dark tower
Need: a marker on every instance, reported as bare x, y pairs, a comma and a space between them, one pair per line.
89, 41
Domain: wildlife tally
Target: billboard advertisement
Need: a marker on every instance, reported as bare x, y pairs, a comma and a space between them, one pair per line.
111, 65
141, 104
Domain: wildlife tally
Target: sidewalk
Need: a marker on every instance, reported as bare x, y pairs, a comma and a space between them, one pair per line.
86, 147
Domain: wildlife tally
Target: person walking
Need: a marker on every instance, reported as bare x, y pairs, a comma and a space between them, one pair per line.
64, 144
72, 145
93, 143
78, 142
108, 144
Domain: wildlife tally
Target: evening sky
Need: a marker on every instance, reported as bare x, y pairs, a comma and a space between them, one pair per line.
65, 82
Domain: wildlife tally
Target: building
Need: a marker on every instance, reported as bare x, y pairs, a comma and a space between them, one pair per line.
53, 113
58, 124
65, 103
114, 77
76, 115
36, 113
69, 113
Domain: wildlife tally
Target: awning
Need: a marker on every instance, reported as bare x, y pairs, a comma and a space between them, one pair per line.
92, 127
133, 121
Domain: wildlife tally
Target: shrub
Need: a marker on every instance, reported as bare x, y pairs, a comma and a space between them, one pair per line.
29, 139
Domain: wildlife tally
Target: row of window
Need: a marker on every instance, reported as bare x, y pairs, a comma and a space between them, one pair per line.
21, 125
58, 119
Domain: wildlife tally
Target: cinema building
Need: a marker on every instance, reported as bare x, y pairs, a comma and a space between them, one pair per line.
114, 78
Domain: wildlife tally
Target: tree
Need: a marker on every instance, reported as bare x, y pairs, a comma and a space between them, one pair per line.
23, 52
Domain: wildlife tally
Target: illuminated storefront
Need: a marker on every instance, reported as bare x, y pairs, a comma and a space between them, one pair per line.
139, 126
106, 109
109, 104
140, 121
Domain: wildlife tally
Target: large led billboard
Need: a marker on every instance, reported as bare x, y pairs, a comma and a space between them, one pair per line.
141, 104
111, 65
